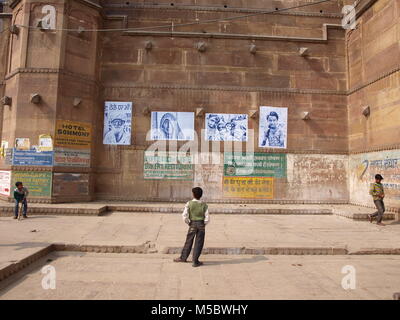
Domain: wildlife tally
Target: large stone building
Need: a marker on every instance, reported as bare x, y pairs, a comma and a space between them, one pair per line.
61, 60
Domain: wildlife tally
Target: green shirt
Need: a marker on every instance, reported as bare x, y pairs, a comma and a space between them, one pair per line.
20, 195
376, 190
197, 210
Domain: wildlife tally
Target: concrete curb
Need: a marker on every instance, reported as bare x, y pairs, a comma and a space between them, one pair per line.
25, 262
146, 247
222, 211
265, 251
9, 211
150, 248
378, 251
363, 216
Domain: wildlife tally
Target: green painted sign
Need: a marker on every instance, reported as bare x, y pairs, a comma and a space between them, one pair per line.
258, 164
38, 183
168, 165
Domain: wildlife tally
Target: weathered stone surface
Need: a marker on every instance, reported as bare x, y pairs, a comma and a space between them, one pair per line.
225, 78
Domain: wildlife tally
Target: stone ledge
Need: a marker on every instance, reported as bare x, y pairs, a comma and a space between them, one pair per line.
237, 36
222, 211
378, 251
8, 210
266, 251
363, 216
149, 248
25, 262
194, 7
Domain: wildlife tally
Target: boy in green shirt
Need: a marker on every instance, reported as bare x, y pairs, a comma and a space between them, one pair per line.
377, 193
196, 216
20, 195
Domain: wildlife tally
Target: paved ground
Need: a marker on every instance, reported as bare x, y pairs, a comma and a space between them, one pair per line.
136, 276
149, 276
168, 230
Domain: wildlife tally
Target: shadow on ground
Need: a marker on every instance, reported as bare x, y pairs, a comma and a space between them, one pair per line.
236, 261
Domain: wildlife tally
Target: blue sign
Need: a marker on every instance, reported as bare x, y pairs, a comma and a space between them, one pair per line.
32, 158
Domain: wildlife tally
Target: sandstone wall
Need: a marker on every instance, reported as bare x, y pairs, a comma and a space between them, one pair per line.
227, 78
4, 38
374, 80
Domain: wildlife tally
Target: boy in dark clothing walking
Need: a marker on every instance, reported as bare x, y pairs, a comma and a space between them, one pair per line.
20, 195
377, 193
196, 216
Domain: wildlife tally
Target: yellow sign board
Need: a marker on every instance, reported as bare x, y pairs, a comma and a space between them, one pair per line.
73, 135
249, 187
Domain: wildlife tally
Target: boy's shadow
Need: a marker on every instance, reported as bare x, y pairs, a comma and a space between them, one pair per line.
236, 261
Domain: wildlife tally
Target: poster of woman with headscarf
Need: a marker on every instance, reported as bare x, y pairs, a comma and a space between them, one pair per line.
117, 123
273, 127
226, 127
172, 125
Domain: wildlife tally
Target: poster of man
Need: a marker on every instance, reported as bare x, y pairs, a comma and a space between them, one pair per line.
226, 127
117, 123
273, 127
172, 125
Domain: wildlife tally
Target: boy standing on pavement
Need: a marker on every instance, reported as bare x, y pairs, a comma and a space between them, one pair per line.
196, 216
377, 193
20, 195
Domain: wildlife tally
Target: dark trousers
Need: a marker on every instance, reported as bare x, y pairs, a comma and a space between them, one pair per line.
197, 229
381, 209
24, 205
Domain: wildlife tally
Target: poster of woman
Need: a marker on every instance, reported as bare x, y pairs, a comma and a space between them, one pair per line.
172, 126
273, 127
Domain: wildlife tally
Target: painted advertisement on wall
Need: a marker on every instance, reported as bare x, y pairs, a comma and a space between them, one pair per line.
209, 175
38, 183
226, 127
248, 187
5, 182
32, 158
71, 158
363, 168
70, 184
168, 165
255, 164
273, 127
117, 123
172, 126
72, 134
317, 177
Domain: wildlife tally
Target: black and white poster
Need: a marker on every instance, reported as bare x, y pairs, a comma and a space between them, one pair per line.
226, 127
273, 127
117, 123
172, 126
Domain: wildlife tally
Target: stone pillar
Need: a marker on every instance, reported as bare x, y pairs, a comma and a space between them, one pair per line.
51, 77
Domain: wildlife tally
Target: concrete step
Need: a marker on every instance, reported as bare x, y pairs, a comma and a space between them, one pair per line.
96, 209
6, 270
